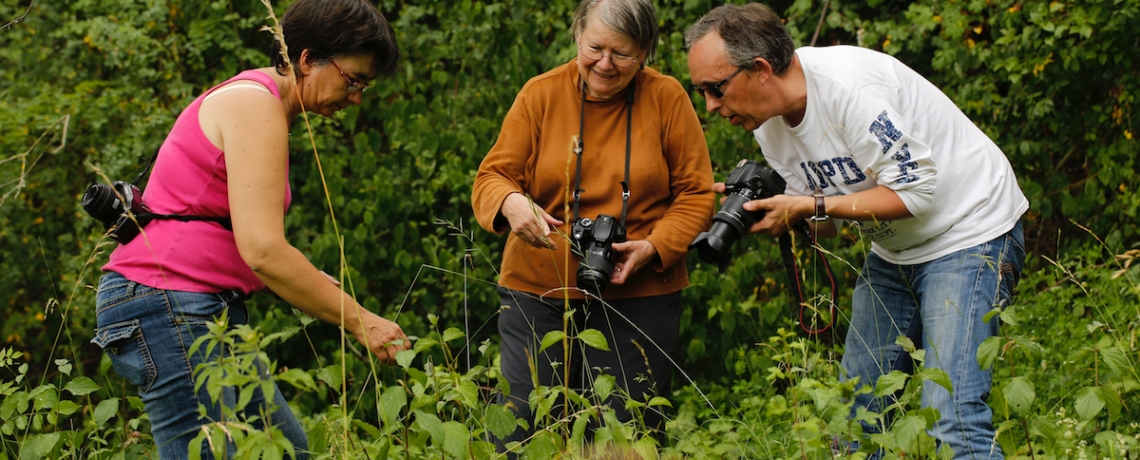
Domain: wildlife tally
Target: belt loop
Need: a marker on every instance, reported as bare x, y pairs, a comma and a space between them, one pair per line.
131, 288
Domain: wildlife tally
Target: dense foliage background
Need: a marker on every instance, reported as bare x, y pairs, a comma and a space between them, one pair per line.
88, 90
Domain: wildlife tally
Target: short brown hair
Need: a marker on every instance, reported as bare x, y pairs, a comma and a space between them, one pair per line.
334, 28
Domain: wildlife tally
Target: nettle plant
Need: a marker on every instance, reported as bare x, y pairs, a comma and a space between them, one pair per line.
435, 410
62, 419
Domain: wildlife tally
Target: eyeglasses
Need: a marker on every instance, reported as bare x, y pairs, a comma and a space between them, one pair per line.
353, 85
715, 90
617, 59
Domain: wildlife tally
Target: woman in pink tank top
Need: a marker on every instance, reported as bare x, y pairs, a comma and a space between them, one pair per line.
227, 157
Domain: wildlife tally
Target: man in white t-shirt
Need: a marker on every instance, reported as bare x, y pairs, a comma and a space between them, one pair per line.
859, 136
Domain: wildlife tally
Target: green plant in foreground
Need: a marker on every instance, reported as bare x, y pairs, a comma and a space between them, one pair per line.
41, 422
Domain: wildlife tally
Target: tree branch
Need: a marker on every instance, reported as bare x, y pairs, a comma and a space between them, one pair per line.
21, 18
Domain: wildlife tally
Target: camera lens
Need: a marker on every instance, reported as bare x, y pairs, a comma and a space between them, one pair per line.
595, 270
729, 224
101, 203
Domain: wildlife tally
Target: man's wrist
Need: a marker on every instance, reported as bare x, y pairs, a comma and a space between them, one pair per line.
820, 214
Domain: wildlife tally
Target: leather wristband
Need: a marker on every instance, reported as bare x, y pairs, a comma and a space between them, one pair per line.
820, 208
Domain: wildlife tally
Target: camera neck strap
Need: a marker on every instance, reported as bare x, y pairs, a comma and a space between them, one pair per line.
790, 265
153, 158
580, 146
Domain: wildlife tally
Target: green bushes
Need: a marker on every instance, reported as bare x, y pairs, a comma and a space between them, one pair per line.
88, 88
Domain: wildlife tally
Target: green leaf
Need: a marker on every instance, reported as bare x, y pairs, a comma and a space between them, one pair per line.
298, 378
458, 436
280, 336
604, 386
452, 333
1019, 393
431, 424
64, 366
424, 344
368, 428
500, 420
404, 357
38, 446
45, 397
908, 431
595, 339
939, 377
331, 376
105, 410
67, 407
544, 446
989, 351
1088, 403
393, 401
1115, 359
890, 383
659, 401
81, 386
551, 338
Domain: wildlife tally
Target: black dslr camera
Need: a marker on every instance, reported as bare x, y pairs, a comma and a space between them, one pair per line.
749, 181
104, 204
593, 239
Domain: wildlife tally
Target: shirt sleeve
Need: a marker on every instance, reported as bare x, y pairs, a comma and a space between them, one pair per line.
690, 179
503, 170
879, 137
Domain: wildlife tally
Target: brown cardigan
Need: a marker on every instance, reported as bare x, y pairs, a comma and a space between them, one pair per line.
671, 199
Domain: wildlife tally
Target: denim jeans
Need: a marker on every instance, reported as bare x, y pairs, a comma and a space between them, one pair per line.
641, 333
939, 305
148, 332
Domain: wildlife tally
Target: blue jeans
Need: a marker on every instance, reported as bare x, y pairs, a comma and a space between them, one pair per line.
939, 305
148, 332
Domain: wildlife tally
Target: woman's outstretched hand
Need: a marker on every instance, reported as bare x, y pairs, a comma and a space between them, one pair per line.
528, 221
382, 337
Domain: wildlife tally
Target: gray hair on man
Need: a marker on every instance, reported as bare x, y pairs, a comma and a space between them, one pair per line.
749, 31
636, 19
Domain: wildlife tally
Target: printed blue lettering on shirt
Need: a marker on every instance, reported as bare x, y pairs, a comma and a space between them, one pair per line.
852, 166
905, 165
823, 174
885, 131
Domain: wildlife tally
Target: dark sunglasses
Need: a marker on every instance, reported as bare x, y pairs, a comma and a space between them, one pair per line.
715, 90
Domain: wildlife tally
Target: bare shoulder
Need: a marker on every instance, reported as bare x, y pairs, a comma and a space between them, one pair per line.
243, 106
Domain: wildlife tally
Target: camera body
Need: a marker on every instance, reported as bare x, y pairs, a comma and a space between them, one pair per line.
109, 204
749, 181
594, 240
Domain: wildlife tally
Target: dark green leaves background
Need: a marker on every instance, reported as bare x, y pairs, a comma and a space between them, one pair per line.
1053, 83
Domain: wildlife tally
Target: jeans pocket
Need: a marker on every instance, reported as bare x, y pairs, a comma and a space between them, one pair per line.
125, 344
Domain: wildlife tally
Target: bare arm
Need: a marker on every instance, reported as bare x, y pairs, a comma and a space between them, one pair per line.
254, 135
876, 204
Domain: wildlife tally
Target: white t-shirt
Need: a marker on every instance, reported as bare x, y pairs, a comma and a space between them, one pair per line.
870, 120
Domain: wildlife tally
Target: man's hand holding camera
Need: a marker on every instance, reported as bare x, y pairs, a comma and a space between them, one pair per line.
779, 212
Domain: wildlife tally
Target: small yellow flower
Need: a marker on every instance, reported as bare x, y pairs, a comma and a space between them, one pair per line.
1128, 134
39, 316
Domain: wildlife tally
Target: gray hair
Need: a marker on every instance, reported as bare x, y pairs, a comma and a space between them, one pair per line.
749, 31
636, 19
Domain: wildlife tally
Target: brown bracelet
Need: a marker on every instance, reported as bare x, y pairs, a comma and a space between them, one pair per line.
820, 207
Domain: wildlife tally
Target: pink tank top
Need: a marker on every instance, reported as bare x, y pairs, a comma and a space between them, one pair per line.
189, 178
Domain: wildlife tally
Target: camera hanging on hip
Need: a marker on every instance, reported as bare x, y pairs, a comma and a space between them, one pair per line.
120, 208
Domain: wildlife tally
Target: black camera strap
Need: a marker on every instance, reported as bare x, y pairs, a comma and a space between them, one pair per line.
793, 276
223, 221
580, 146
